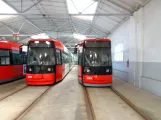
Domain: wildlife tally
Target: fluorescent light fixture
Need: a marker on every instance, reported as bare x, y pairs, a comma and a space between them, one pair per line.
5, 9
79, 36
40, 36
82, 6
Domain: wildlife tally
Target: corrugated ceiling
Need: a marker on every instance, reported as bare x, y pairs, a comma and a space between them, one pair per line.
52, 17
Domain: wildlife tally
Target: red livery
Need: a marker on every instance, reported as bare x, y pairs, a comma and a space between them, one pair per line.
48, 62
94, 62
12, 61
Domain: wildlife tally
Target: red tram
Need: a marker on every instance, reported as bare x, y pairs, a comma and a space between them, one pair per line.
94, 62
12, 61
48, 62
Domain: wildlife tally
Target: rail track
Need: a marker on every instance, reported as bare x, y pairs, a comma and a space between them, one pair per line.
89, 107
23, 113
12, 93
131, 104
90, 110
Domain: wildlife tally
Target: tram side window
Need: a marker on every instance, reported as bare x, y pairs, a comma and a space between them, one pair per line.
58, 57
4, 57
16, 57
80, 56
65, 58
80, 59
24, 59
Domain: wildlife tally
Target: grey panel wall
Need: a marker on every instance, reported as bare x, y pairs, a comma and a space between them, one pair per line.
141, 40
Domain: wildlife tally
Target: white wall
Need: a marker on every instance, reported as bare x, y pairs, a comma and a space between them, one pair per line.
141, 39
119, 68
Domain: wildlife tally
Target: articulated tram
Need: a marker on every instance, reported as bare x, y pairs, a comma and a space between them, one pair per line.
12, 61
94, 62
48, 61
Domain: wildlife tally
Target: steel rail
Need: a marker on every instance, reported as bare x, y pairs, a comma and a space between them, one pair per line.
89, 107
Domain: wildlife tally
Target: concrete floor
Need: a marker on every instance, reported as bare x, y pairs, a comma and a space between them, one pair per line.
65, 101
9, 88
12, 106
109, 106
148, 103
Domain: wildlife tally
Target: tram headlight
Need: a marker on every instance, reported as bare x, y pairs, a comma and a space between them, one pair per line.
107, 70
29, 69
49, 69
87, 70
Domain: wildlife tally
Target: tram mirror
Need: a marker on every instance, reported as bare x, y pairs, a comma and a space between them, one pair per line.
75, 50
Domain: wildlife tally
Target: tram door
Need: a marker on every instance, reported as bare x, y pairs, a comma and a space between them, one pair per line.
59, 67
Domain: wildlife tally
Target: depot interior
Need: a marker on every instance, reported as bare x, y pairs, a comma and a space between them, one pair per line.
133, 26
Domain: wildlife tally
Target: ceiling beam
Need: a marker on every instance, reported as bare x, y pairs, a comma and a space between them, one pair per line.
75, 6
13, 30
10, 35
8, 27
116, 27
21, 26
21, 5
145, 3
100, 14
32, 6
90, 28
35, 25
43, 12
121, 5
88, 7
61, 26
18, 11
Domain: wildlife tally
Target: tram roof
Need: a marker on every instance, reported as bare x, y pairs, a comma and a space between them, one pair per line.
58, 43
96, 39
8, 44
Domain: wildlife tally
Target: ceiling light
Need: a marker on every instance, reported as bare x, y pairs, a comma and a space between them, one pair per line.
40, 36
79, 36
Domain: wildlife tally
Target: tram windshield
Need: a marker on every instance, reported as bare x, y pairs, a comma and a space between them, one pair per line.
97, 57
40, 55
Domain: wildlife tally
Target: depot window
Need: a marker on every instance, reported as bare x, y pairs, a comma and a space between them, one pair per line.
118, 52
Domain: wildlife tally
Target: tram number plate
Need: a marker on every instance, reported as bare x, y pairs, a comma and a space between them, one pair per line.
29, 76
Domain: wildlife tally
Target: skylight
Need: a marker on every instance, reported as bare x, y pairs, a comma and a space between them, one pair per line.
83, 7
5, 9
